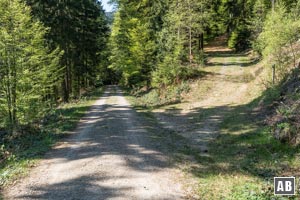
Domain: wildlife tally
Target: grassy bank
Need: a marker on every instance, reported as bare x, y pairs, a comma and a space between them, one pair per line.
245, 158
22, 150
242, 161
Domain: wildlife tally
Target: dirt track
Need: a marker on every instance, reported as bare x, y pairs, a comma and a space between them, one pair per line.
199, 116
109, 156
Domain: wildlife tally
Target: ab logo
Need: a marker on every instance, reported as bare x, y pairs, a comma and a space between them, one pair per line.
284, 185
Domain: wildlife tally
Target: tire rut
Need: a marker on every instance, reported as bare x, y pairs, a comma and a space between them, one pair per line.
108, 156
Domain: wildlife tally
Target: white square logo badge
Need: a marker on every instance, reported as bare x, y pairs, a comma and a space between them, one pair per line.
284, 186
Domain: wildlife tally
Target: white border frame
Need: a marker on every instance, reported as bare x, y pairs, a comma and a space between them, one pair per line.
294, 194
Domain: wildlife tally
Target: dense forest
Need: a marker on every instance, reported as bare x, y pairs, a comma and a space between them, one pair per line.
155, 42
54, 53
51, 51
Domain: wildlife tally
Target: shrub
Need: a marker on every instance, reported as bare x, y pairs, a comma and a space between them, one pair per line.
163, 96
239, 38
278, 39
285, 122
170, 72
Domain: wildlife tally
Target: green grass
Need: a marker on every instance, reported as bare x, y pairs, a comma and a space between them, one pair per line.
24, 150
242, 160
156, 98
245, 157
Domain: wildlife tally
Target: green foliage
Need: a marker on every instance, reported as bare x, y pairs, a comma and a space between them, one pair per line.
239, 38
151, 35
250, 191
285, 122
79, 28
260, 10
39, 65
168, 73
28, 69
160, 97
133, 41
278, 38
201, 58
171, 73
233, 40
271, 95
242, 160
19, 152
234, 20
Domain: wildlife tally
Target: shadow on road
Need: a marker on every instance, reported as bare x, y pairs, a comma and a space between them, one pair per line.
78, 188
110, 149
242, 144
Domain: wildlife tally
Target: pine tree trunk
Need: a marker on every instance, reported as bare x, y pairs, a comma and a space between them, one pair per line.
190, 44
201, 42
14, 96
190, 35
8, 98
65, 89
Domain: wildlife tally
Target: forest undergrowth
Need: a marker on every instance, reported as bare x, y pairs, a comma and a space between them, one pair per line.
242, 158
23, 149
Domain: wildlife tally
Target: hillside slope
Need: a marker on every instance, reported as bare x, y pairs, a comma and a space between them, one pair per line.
222, 141
232, 80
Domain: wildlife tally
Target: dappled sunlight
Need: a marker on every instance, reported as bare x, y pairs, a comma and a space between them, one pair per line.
222, 126
93, 189
110, 154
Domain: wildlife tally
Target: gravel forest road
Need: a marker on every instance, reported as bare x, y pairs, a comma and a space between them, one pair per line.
109, 156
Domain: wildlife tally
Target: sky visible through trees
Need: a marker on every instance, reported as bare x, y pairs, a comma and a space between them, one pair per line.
107, 7
54, 53
152, 43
